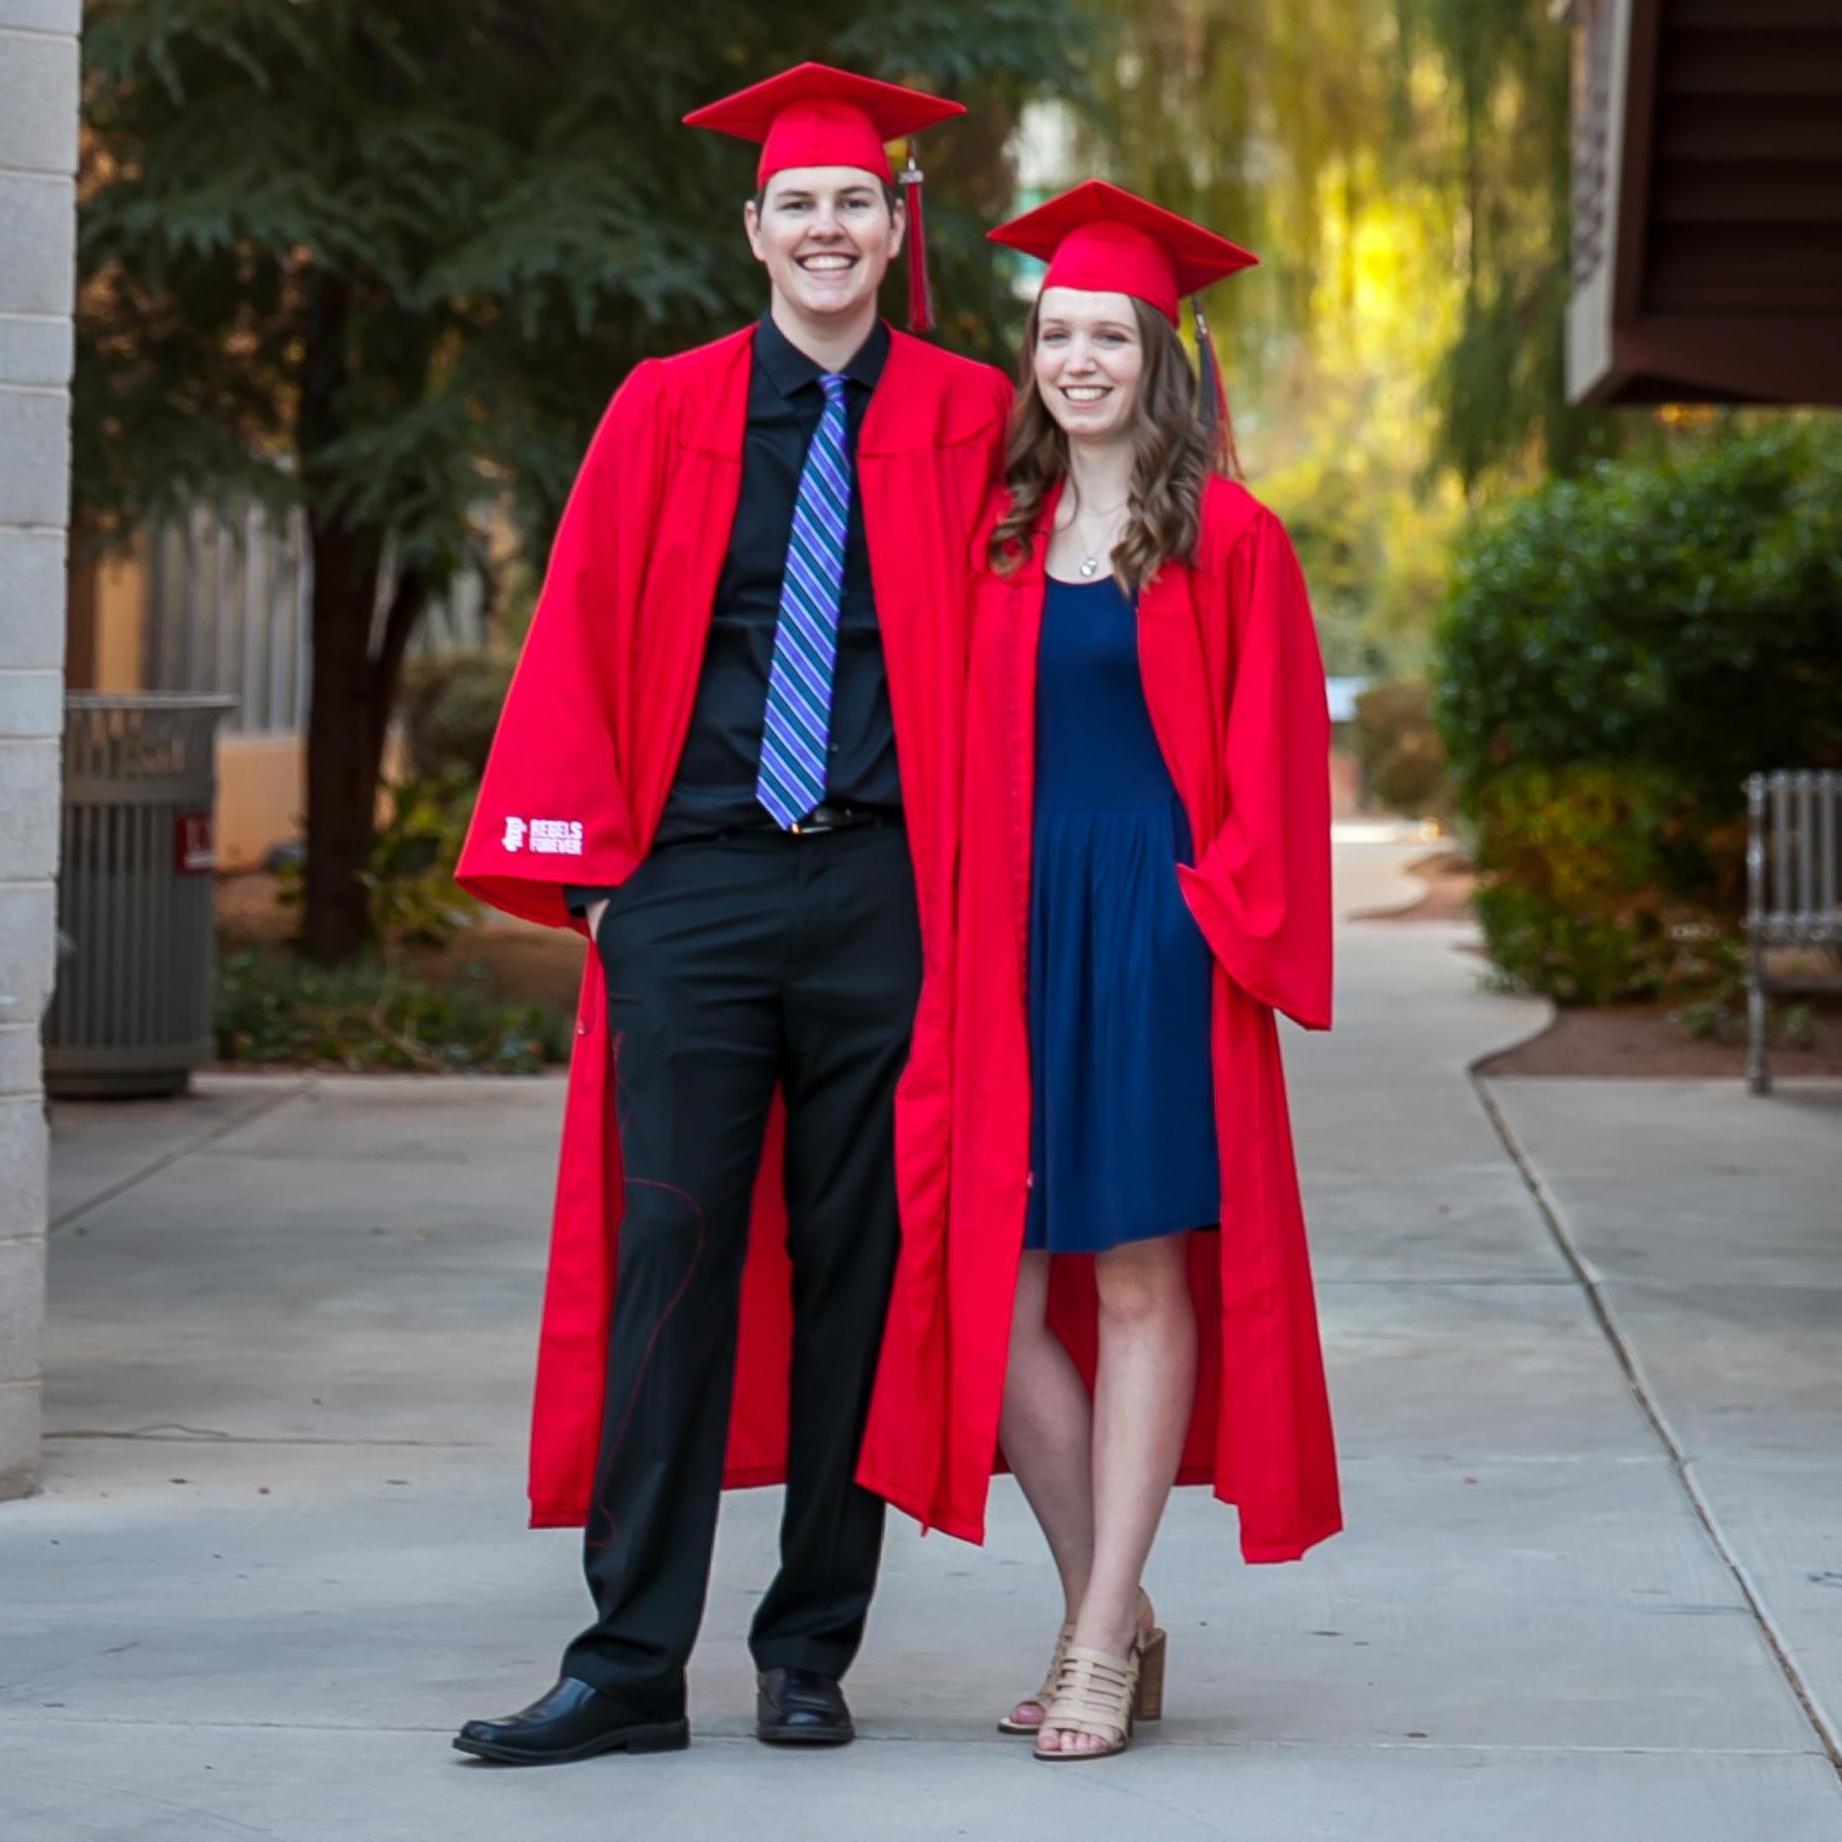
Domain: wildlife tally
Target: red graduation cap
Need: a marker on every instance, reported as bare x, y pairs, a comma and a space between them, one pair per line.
1107, 240
817, 115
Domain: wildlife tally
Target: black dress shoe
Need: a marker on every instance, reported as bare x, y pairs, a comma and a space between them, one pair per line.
799, 1707
570, 1721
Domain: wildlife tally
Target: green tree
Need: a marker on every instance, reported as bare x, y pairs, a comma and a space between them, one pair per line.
1502, 388
384, 260
1287, 125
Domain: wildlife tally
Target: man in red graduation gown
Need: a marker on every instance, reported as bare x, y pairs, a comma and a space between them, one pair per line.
729, 756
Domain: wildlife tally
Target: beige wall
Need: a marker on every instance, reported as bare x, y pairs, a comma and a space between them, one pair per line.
261, 796
120, 602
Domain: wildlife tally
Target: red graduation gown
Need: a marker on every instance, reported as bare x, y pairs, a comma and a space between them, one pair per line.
1235, 688
584, 757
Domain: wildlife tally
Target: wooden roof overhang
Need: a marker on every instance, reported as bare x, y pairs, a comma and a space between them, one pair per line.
1707, 260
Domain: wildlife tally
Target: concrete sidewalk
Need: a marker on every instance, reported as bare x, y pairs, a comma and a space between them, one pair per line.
1584, 1349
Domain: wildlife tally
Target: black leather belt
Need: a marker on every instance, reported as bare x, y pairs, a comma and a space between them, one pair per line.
829, 817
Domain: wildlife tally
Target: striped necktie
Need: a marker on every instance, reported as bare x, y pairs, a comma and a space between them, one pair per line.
797, 724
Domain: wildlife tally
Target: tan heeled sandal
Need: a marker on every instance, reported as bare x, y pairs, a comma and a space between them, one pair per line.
1097, 1694
1150, 1647
1148, 1702
1010, 1723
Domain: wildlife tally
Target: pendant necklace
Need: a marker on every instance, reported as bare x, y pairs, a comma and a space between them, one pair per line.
1089, 566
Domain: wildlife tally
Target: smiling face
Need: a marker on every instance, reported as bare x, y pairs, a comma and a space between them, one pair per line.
826, 235
1088, 361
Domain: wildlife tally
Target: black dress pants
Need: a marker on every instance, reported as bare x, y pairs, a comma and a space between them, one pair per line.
734, 966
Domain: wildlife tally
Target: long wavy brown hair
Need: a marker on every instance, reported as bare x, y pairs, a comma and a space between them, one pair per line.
1174, 453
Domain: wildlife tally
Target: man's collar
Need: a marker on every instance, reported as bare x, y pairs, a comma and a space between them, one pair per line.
788, 369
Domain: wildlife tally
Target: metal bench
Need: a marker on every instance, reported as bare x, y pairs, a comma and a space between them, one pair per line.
1794, 894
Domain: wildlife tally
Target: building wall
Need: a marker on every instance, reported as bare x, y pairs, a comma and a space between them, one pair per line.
38, 157
261, 797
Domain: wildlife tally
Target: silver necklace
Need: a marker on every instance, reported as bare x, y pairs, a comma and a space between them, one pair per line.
1089, 566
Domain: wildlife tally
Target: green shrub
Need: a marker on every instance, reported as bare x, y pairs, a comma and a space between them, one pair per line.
411, 893
1686, 617
1403, 759
411, 897
368, 1016
1617, 654
448, 706
1579, 877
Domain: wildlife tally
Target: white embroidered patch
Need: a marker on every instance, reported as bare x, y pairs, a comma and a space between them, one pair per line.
548, 837
557, 837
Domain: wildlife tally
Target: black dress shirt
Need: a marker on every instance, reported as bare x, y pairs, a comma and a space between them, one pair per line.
714, 790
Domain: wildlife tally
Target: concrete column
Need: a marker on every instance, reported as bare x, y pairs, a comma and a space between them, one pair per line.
38, 159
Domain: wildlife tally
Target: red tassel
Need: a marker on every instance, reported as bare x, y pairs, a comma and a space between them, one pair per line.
920, 295
1213, 397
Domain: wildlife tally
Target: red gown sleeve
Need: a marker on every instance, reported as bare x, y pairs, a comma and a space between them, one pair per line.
552, 809
1261, 890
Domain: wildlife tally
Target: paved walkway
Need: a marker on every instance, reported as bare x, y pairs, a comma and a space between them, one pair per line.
1585, 1341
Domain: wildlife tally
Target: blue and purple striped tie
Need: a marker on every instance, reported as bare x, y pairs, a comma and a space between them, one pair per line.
797, 725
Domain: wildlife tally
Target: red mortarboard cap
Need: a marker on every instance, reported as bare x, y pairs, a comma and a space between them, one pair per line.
814, 115
1109, 241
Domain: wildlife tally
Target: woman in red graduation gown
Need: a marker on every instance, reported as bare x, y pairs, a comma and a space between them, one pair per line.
1144, 884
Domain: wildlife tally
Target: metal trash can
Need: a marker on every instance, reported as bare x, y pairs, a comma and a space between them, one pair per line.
136, 894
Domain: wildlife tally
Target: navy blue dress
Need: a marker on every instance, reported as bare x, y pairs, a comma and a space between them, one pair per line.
1122, 1132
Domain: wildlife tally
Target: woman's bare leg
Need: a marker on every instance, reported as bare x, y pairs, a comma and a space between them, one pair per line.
1046, 1429
1145, 1388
